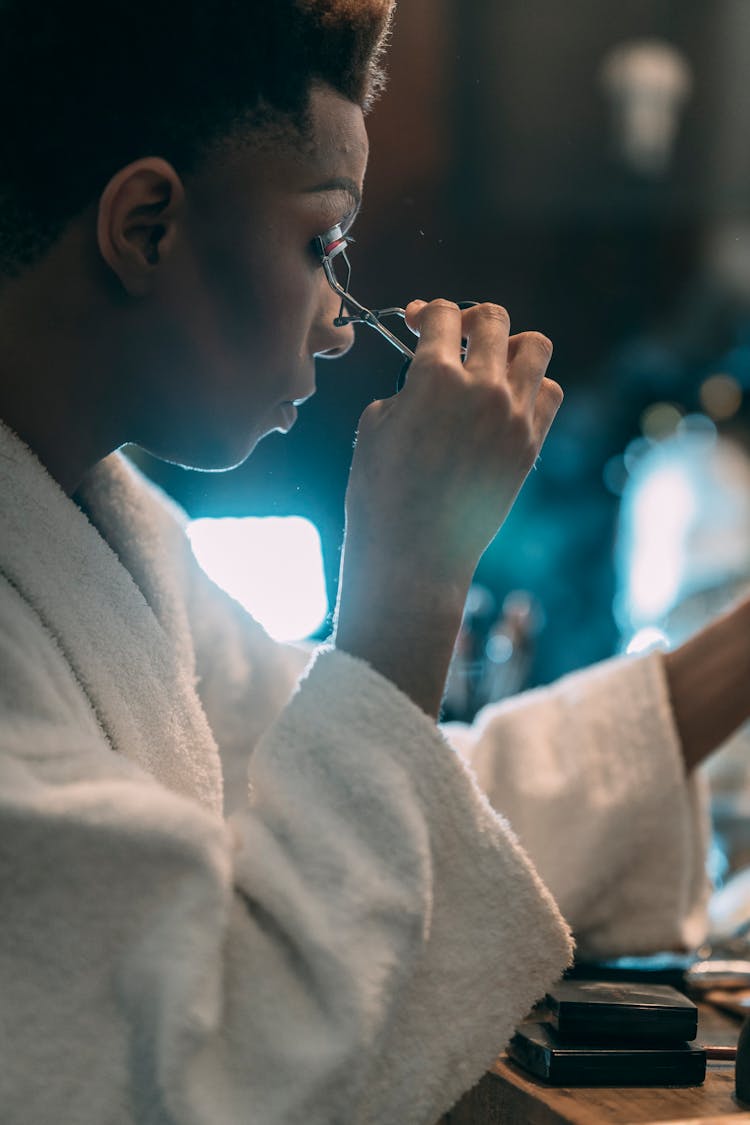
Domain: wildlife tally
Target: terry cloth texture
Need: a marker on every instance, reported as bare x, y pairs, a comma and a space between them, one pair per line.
356, 939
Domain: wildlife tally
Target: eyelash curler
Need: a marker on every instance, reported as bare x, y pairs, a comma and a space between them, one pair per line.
332, 245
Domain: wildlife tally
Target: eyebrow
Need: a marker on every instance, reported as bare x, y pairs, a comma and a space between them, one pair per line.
339, 183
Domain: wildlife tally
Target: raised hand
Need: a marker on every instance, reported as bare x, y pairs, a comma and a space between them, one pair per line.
435, 472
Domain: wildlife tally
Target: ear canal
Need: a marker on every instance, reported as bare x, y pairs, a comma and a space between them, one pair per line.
152, 250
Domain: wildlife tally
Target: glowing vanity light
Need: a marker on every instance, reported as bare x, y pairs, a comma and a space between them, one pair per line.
663, 511
684, 533
272, 566
648, 82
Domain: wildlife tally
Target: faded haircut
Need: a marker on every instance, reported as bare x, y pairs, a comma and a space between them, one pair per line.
88, 87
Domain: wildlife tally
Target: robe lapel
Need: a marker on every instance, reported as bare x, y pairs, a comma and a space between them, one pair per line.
134, 674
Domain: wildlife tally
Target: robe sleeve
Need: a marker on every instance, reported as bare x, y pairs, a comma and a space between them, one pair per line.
589, 773
355, 944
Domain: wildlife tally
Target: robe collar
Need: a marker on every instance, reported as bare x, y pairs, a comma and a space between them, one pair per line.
128, 644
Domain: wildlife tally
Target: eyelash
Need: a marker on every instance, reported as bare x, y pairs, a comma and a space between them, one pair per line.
324, 242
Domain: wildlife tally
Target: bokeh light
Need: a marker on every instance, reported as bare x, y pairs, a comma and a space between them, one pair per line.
660, 420
721, 397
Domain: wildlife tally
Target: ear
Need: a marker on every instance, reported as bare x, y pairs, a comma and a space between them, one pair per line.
137, 222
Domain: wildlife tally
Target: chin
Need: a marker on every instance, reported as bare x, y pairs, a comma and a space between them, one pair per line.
210, 454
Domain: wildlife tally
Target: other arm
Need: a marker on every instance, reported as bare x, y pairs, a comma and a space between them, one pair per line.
709, 683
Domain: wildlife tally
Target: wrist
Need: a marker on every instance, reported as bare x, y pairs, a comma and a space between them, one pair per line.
408, 638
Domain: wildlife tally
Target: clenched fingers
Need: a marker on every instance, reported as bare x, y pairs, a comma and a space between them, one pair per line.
487, 330
439, 327
548, 401
528, 360
493, 357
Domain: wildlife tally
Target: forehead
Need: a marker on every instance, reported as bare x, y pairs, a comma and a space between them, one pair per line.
265, 174
313, 171
337, 133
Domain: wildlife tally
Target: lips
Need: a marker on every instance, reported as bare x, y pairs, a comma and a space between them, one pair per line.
288, 409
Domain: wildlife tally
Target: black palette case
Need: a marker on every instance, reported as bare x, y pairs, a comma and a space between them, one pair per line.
537, 1048
593, 1010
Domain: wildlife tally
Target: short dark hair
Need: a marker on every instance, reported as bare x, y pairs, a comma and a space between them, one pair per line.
88, 87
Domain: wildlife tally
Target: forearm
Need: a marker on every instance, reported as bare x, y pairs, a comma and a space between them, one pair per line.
613, 828
709, 683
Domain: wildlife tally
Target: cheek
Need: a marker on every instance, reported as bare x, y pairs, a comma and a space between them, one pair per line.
262, 303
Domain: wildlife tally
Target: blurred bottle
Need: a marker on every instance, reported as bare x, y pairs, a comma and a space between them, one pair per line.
465, 675
494, 652
509, 651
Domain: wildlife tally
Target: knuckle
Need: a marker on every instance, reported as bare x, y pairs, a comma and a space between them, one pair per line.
555, 392
497, 397
441, 365
489, 311
519, 426
528, 446
444, 303
537, 342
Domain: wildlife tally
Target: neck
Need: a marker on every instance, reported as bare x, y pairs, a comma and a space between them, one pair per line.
51, 393
56, 427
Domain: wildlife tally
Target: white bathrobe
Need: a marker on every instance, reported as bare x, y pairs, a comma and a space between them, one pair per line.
355, 940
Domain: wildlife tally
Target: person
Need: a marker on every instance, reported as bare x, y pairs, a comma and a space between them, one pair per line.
235, 886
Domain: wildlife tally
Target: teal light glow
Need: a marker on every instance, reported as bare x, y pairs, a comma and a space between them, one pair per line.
272, 566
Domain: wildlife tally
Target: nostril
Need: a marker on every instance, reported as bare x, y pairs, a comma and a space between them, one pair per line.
336, 352
343, 337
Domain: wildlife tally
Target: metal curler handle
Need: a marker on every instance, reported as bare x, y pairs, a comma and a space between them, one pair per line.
373, 318
332, 245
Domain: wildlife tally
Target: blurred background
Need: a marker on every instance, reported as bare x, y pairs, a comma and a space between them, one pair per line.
588, 166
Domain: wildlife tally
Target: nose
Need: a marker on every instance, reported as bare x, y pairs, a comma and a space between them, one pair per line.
331, 342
